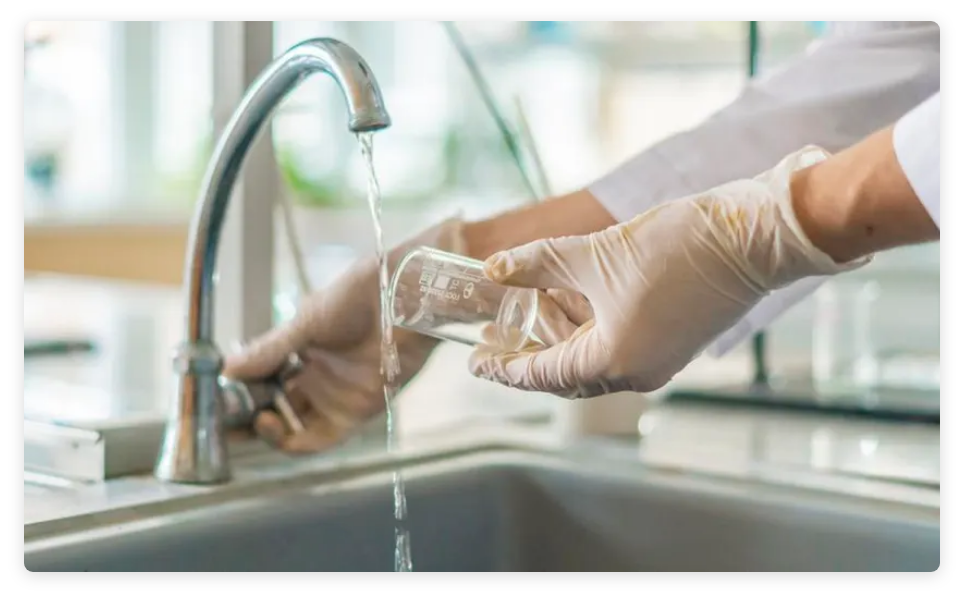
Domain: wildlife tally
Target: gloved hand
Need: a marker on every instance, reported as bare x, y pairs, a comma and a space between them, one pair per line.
661, 287
337, 335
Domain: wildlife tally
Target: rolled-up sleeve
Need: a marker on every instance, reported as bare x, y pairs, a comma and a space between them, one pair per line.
863, 76
917, 144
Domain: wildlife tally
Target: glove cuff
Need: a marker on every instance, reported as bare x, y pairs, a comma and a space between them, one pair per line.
799, 257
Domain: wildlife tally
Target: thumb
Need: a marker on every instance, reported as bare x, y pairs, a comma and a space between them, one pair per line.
542, 264
266, 354
560, 369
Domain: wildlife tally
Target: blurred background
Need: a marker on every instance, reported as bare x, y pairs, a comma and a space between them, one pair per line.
118, 114
118, 129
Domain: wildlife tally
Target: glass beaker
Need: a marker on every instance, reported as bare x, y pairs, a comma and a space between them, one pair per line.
844, 352
448, 297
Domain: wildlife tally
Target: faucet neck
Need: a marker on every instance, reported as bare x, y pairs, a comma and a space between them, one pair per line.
194, 447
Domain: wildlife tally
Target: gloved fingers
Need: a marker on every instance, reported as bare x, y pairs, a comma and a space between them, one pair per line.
319, 434
288, 416
602, 386
344, 392
271, 428
341, 314
553, 324
265, 355
333, 427
575, 305
333, 381
490, 335
297, 399
543, 264
585, 391
495, 337
559, 369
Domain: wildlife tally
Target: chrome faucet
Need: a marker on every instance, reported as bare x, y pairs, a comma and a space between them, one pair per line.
194, 447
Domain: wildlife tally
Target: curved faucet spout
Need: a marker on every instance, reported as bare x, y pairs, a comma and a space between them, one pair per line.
366, 112
194, 448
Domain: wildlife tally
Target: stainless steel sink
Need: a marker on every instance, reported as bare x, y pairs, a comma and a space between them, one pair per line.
510, 511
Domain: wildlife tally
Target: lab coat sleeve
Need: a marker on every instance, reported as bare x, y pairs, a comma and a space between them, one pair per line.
861, 77
917, 144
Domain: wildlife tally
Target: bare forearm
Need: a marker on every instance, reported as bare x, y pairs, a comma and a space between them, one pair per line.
859, 202
577, 213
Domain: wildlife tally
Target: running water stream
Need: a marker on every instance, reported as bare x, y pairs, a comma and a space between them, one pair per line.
389, 356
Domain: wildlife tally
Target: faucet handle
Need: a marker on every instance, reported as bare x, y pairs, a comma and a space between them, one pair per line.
244, 399
281, 403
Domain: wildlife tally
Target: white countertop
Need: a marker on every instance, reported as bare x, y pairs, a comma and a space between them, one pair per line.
444, 408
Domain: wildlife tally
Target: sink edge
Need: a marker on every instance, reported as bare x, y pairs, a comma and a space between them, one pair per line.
351, 468
345, 476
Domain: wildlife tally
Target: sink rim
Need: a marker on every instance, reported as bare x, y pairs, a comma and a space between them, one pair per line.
447, 461
338, 471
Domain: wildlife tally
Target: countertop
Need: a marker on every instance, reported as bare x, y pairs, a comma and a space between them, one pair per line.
444, 409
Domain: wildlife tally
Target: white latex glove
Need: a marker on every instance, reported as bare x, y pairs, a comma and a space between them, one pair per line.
337, 335
661, 287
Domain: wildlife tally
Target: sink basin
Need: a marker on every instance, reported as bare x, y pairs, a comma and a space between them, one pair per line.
512, 511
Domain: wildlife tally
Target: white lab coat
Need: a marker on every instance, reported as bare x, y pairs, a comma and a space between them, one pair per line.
917, 144
858, 78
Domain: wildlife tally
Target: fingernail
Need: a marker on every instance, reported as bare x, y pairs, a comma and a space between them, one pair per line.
476, 360
497, 266
236, 347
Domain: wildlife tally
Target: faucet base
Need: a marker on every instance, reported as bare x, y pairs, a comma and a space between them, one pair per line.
193, 458
194, 449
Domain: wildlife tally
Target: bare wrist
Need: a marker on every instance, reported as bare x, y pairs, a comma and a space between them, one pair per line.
481, 238
822, 213
577, 213
859, 202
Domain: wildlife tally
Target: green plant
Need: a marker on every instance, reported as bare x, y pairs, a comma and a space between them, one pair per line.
332, 193
307, 191
183, 187
452, 143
